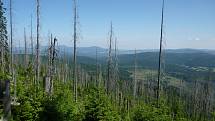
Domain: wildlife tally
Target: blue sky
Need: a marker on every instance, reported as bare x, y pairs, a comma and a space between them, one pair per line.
188, 23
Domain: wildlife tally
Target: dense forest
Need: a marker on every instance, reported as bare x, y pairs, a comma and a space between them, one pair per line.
54, 84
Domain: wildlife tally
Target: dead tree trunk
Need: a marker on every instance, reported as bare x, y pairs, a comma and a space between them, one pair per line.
38, 44
75, 83
11, 58
116, 72
32, 43
26, 56
160, 53
109, 75
135, 71
11, 37
96, 67
52, 64
47, 83
65, 68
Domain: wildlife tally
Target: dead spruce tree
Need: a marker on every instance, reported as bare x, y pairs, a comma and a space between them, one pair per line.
52, 51
11, 48
38, 44
75, 83
96, 67
116, 71
11, 37
135, 74
47, 81
26, 50
109, 66
32, 41
160, 54
65, 69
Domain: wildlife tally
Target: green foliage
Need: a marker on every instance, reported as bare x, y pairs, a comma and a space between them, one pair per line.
4, 76
151, 113
28, 105
93, 103
60, 107
4, 49
98, 107
213, 116
28, 108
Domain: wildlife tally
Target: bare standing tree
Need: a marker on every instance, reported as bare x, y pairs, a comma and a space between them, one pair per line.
32, 43
11, 36
135, 73
11, 49
26, 56
160, 54
116, 71
75, 83
38, 44
65, 69
109, 75
53, 68
96, 67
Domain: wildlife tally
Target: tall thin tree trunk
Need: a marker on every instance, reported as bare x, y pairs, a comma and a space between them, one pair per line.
115, 62
96, 67
65, 67
38, 44
32, 43
75, 83
160, 53
48, 80
116, 71
135, 71
53, 63
109, 75
11, 36
26, 56
11, 48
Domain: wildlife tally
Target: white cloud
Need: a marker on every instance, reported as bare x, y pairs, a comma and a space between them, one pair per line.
197, 39
193, 39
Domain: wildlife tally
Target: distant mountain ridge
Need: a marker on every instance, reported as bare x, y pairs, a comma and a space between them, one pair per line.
91, 51
186, 64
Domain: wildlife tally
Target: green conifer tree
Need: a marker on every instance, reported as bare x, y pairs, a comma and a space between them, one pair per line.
4, 49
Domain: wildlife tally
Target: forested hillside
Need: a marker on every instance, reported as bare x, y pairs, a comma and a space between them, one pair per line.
60, 83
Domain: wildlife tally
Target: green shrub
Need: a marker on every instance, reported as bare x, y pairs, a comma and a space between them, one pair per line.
151, 113
98, 107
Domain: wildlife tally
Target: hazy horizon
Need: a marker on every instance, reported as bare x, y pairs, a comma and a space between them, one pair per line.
124, 48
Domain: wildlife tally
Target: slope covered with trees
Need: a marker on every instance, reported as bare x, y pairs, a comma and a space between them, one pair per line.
49, 87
